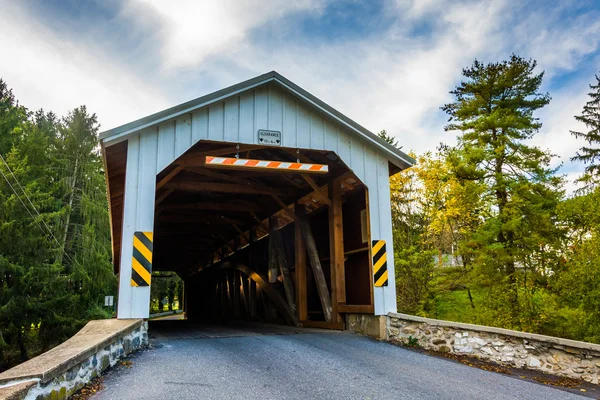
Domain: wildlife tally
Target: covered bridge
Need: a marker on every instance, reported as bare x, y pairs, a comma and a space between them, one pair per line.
266, 201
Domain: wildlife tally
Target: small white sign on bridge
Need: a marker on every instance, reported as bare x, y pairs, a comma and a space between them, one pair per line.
269, 137
108, 301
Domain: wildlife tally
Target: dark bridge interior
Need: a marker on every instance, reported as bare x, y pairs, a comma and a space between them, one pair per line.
266, 245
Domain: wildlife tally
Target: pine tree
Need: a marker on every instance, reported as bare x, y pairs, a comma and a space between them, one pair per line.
51, 283
493, 110
389, 138
590, 117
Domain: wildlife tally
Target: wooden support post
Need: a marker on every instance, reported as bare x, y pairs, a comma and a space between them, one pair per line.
236, 293
263, 300
252, 297
229, 294
223, 295
301, 288
276, 302
273, 270
368, 218
285, 270
336, 248
315, 263
244, 293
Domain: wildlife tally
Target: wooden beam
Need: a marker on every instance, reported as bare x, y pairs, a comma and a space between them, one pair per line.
244, 295
324, 325
284, 206
228, 188
301, 282
307, 199
198, 219
336, 248
313, 256
273, 270
236, 292
260, 221
213, 206
356, 308
169, 176
198, 159
298, 156
252, 297
316, 188
163, 196
285, 269
219, 175
289, 179
271, 292
370, 257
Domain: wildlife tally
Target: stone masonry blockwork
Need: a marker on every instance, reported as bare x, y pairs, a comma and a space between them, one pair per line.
555, 356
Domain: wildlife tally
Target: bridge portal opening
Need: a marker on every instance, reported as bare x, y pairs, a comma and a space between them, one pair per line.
279, 244
254, 242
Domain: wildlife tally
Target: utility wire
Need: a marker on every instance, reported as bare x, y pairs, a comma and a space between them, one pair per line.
32, 206
28, 199
21, 200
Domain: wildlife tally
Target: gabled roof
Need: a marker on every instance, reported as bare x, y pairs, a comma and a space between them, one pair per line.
396, 156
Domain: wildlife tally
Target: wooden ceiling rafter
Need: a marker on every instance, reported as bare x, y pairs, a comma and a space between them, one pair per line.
190, 159
223, 176
206, 206
311, 201
201, 186
195, 188
169, 176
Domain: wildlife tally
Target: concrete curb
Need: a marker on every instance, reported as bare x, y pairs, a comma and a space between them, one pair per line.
64, 369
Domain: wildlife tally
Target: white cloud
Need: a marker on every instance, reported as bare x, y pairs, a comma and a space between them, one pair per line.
194, 30
558, 119
47, 71
391, 80
557, 42
394, 79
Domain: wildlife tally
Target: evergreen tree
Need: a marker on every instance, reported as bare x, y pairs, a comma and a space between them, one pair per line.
590, 117
493, 110
389, 138
55, 253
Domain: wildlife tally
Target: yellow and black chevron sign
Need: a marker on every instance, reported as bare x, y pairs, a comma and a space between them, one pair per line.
141, 263
380, 271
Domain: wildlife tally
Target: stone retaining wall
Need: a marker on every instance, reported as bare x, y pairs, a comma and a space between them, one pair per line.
552, 355
64, 370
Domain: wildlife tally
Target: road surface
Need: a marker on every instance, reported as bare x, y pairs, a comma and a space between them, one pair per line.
271, 362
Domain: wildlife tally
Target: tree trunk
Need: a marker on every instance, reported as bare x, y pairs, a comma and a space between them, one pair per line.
22, 348
507, 240
71, 197
471, 298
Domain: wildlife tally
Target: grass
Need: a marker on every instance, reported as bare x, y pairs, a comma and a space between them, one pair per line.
455, 306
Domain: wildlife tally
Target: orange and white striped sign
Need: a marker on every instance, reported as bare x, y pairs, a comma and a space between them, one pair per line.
242, 163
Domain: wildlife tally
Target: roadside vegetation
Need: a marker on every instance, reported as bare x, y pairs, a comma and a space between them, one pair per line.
484, 232
55, 250
166, 292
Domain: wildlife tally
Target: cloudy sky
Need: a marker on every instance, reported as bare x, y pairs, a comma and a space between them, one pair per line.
386, 64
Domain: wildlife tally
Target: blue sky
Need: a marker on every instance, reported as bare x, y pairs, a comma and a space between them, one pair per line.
386, 64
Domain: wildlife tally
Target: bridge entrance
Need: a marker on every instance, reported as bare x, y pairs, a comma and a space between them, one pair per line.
267, 202
284, 243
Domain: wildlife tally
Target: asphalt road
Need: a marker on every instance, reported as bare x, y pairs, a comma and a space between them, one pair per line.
267, 362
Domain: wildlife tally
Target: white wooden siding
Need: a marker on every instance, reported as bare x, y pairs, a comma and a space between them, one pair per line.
237, 120
138, 215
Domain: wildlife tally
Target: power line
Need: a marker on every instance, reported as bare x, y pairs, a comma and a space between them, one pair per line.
21, 200
28, 199
32, 206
